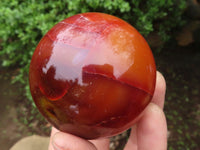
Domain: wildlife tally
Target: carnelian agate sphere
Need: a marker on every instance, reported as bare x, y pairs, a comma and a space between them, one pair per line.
92, 75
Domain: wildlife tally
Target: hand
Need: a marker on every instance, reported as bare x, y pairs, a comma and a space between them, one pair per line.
150, 132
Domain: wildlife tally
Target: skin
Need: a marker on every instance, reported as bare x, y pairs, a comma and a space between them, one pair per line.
149, 133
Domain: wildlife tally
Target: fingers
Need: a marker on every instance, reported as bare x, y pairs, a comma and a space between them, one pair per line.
150, 132
152, 129
149, 120
53, 132
159, 94
101, 144
65, 141
132, 142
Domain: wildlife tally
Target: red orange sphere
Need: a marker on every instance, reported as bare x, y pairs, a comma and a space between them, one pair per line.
92, 75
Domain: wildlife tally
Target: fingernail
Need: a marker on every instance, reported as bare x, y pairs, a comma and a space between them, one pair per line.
55, 147
56, 143
155, 108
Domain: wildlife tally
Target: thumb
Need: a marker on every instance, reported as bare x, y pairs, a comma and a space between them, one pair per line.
65, 141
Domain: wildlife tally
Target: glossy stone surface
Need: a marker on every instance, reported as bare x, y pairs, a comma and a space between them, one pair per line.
92, 75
